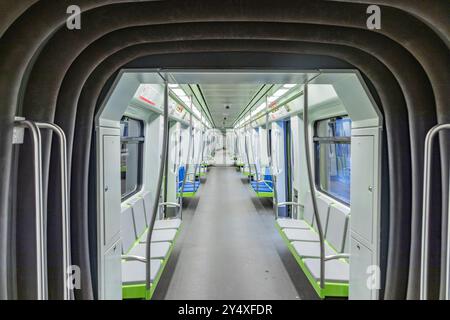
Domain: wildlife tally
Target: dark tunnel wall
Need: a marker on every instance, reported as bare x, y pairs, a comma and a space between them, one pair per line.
91, 53
405, 60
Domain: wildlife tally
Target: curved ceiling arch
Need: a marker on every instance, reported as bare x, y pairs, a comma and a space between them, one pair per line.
434, 15
368, 39
417, 54
87, 103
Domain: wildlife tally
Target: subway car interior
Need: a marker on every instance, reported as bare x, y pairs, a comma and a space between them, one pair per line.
162, 150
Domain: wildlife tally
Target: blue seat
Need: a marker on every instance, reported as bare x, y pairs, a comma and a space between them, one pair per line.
265, 187
190, 187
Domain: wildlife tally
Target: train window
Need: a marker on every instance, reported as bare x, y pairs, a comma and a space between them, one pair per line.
132, 148
332, 157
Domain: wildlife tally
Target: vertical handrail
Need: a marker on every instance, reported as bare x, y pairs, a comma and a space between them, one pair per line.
65, 218
41, 257
163, 164
187, 158
197, 157
447, 282
269, 156
202, 149
252, 144
311, 186
247, 156
428, 154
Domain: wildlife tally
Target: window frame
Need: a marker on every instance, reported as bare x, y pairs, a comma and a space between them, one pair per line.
317, 140
140, 141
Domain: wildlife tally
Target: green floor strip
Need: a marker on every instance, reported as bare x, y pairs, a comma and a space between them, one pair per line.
331, 289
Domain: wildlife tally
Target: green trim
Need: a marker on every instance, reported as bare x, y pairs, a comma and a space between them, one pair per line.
187, 194
264, 194
134, 291
247, 173
331, 289
139, 291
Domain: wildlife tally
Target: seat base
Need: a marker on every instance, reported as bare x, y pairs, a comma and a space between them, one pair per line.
132, 290
133, 272
167, 224
301, 235
292, 223
133, 286
330, 289
158, 250
307, 249
160, 235
336, 271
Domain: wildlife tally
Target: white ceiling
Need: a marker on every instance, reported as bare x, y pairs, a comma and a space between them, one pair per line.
234, 88
236, 96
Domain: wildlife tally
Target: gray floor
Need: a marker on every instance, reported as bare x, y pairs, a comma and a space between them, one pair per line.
227, 249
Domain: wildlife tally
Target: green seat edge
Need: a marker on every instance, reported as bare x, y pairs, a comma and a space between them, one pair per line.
139, 291
264, 194
187, 194
331, 289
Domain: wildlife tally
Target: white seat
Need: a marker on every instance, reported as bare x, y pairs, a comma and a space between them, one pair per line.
338, 227
164, 235
163, 225
323, 208
301, 235
167, 224
158, 250
335, 270
306, 249
133, 272
293, 224
127, 230
140, 222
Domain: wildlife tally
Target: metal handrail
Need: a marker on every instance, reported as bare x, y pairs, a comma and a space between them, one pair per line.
133, 258
288, 203
263, 180
447, 271
41, 257
169, 204
428, 154
337, 256
65, 209
163, 165
188, 156
311, 187
269, 156
247, 156
257, 174
197, 162
172, 205
295, 205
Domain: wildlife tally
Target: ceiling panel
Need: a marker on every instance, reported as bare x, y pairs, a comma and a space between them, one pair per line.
236, 96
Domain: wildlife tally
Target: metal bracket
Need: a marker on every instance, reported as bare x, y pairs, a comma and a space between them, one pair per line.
18, 132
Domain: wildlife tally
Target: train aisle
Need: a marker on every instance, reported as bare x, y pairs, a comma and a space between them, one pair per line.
222, 158
228, 249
